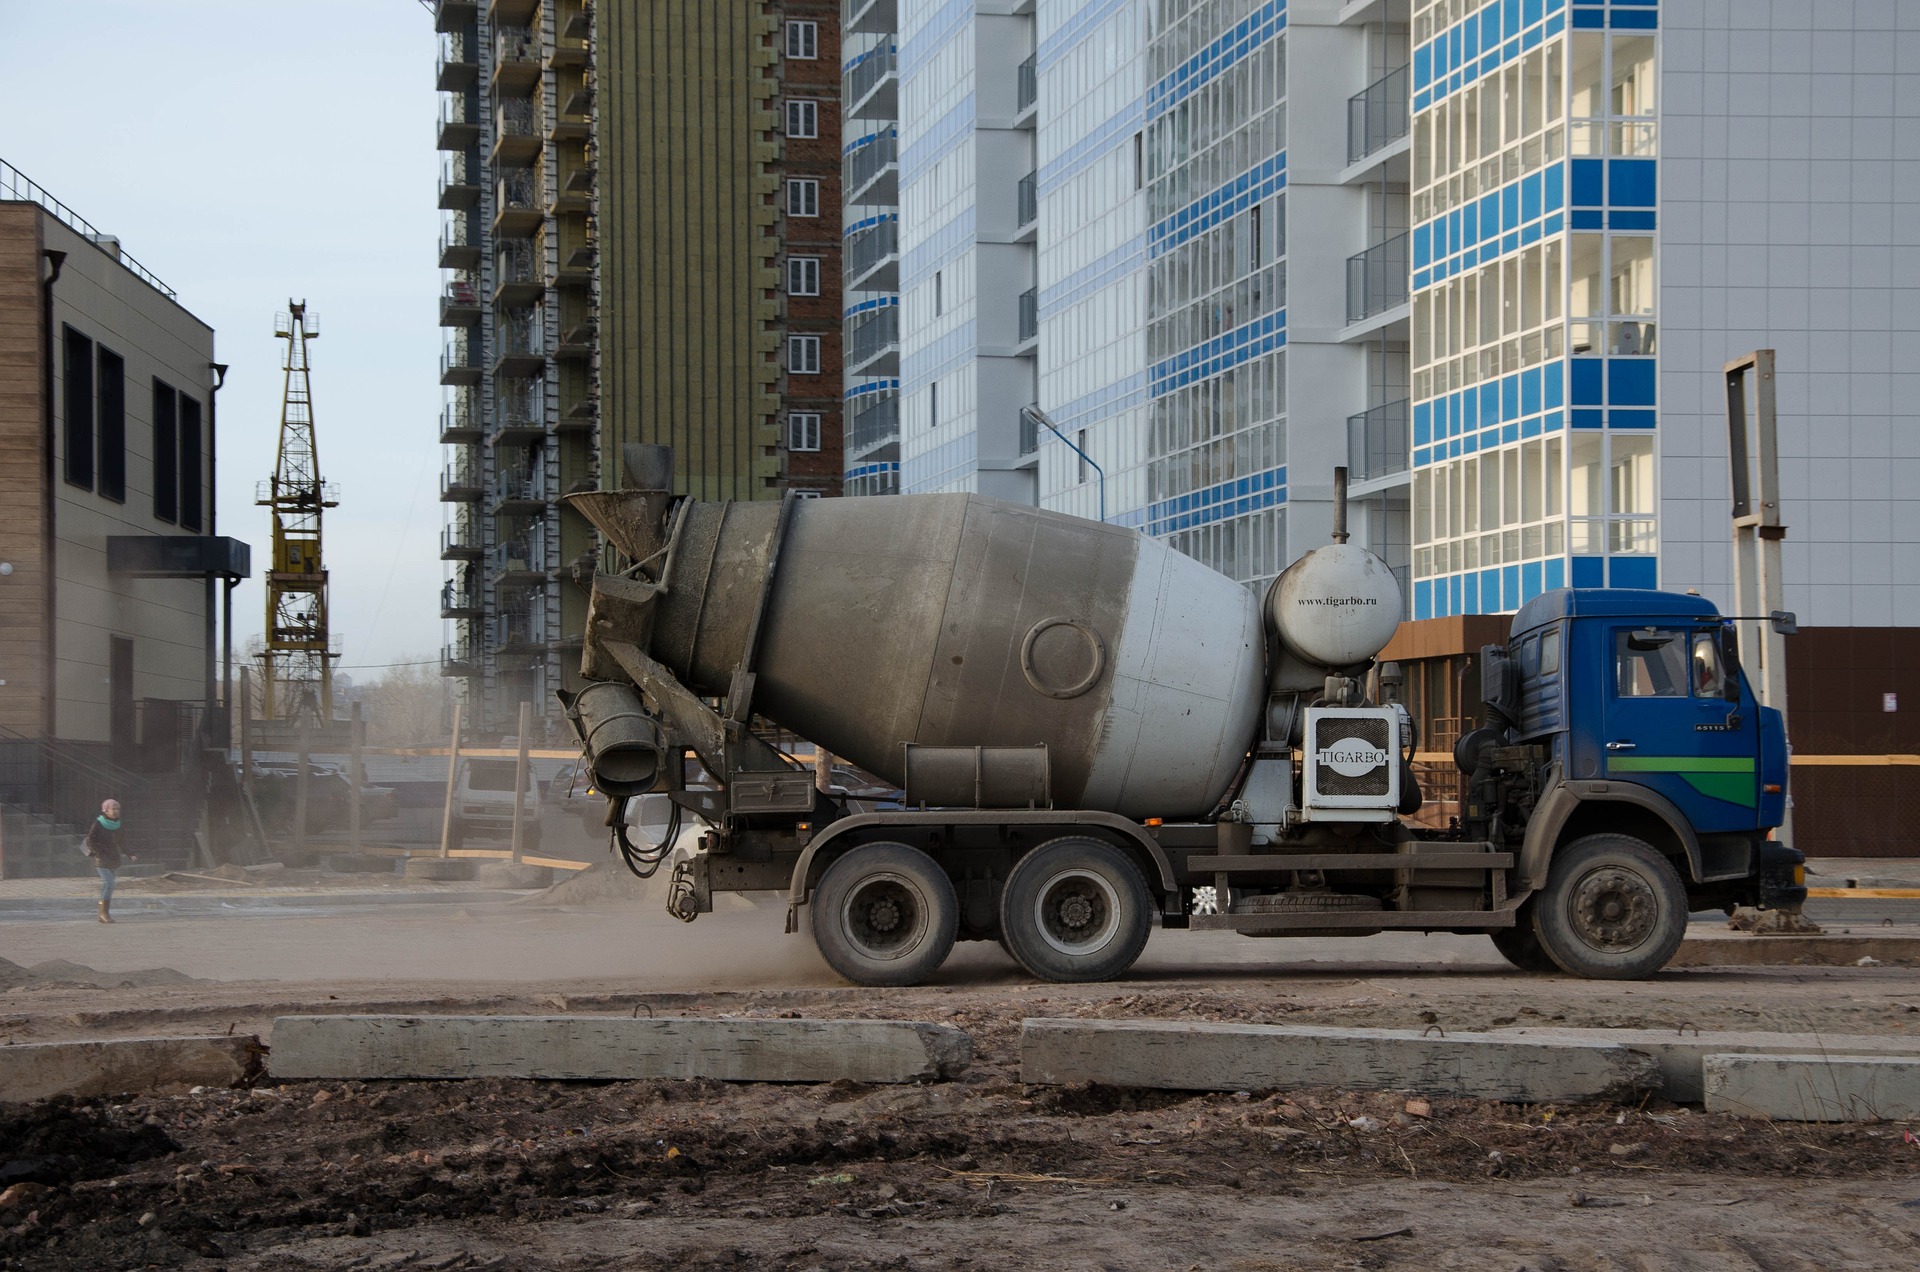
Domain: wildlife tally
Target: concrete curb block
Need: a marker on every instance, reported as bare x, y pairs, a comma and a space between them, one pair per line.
1681, 1056
1802, 951
453, 869
1814, 1088
36, 1070
615, 1047
175, 905
1201, 1056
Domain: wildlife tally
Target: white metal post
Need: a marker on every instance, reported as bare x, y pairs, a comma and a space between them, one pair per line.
1753, 454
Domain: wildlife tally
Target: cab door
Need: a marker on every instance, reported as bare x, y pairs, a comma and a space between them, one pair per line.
1672, 727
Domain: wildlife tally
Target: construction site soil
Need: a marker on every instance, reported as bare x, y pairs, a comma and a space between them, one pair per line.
983, 1172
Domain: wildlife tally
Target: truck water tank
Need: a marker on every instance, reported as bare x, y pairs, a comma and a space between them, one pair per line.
959, 620
1336, 607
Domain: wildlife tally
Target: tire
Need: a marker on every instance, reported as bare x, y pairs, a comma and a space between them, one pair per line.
1613, 909
1520, 946
1075, 910
885, 914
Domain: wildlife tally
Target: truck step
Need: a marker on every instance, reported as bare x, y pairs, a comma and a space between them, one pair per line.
1305, 903
1272, 862
1364, 920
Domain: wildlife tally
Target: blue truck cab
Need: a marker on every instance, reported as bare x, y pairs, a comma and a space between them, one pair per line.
1625, 757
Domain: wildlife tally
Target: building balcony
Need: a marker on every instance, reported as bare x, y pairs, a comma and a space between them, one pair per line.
459, 602
574, 190
516, 275
1377, 115
1029, 315
1377, 279
1377, 442
576, 263
872, 171
512, 12
460, 480
873, 342
567, 53
459, 122
873, 258
459, 659
872, 427
516, 132
516, 490
459, 303
457, 250
454, 15
871, 87
460, 418
459, 181
574, 120
519, 412
458, 67
516, 61
578, 416
460, 541
577, 341
1027, 206
1027, 93
577, 23
460, 360
870, 17
519, 344
519, 205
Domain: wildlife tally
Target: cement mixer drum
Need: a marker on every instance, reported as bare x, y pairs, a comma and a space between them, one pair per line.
1336, 607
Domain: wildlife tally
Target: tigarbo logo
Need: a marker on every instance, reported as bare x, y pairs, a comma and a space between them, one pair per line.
1336, 600
1351, 759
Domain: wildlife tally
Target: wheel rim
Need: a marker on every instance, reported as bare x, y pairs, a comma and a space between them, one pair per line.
884, 916
1077, 912
1614, 909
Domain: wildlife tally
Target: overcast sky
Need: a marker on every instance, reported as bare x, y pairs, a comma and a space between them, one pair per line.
246, 153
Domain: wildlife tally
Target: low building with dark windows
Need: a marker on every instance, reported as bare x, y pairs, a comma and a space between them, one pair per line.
111, 575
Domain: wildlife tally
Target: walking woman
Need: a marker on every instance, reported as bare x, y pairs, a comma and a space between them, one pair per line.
103, 845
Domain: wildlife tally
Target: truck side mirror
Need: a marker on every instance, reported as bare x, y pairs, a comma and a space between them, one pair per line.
1784, 623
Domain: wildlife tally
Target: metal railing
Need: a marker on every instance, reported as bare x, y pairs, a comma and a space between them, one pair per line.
513, 261
456, 49
515, 44
870, 160
15, 186
516, 117
878, 423
1028, 194
457, 170
1029, 314
520, 403
462, 474
518, 191
1377, 441
460, 413
868, 337
1029, 90
1377, 114
454, 232
866, 76
459, 108
870, 247
460, 536
458, 654
520, 331
460, 294
1377, 279
516, 482
459, 352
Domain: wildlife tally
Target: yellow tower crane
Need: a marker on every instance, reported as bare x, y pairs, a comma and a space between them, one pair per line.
298, 660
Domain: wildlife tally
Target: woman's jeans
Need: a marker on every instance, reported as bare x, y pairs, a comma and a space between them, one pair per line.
106, 883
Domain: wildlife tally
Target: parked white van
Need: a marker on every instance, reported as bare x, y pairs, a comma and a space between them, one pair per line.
483, 802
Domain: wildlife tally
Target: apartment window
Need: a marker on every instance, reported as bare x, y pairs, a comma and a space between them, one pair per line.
79, 408
939, 293
803, 355
803, 276
933, 405
191, 486
803, 197
803, 431
110, 406
803, 118
803, 40
1080, 454
1139, 161
166, 452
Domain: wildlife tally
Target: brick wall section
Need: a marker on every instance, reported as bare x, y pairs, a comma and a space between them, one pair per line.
22, 473
818, 80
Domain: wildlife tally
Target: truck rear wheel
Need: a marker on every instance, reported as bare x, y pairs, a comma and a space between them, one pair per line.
885, 914
1075, 910
1613, 909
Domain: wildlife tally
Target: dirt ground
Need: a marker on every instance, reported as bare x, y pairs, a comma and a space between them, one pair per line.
981, 1173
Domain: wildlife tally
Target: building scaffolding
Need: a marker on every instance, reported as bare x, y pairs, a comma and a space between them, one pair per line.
297, 663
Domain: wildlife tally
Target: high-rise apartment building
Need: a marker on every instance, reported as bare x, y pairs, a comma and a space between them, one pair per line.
719, 214
641, 244
871, 225
518, 309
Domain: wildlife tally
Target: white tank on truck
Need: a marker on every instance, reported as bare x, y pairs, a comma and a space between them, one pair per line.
1082, 728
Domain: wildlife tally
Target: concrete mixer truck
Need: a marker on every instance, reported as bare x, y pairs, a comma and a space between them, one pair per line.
1089, 728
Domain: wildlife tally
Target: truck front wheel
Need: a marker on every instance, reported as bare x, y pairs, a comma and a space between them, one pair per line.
1521, 947
1075, 910
885, 914
1613, 909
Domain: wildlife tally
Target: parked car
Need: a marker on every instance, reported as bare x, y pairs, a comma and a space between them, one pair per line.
329, 796
483, 802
